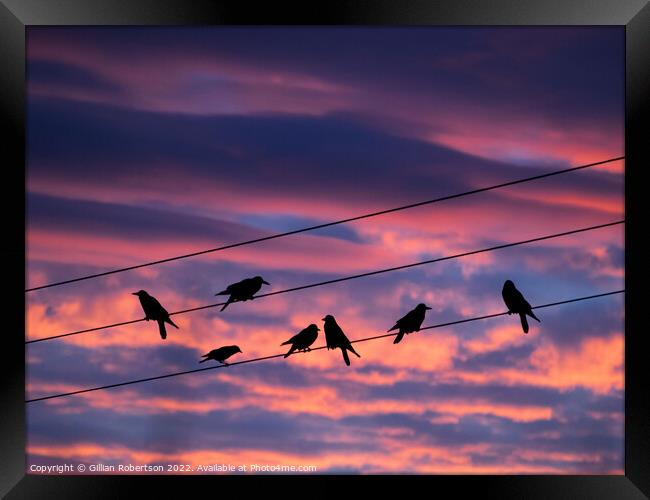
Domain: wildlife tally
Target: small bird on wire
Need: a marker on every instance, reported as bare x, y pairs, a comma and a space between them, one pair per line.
517, 304
154, 311
411, 322
302, 340
243, 290
221, 354
335, 338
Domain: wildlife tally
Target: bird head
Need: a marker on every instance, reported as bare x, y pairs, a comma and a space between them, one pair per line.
508, 284
329, 317
260, 279
313, 326
423, 306
140, 293
237, 349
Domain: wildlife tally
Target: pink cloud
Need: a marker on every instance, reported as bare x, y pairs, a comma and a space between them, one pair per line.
485, 130
596, 365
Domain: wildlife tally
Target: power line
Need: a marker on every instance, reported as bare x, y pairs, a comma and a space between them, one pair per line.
254, 360
327, 224
345, 278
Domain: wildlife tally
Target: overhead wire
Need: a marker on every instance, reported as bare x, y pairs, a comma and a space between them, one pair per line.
274, 356
345, 278
325, 225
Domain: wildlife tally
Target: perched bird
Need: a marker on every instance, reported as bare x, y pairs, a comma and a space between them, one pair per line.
302, 340
411, 322
336, 338
243, 290
517, 304
221, 354
154, 311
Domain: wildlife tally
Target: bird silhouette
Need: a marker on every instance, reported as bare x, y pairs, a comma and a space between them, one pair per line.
221, 354
243, 290
335, 338
302, 340
411, 322
154, 311
516, 304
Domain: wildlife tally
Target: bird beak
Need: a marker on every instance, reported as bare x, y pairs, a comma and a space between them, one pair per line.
134, 293
323, 319
266, 282
426, 307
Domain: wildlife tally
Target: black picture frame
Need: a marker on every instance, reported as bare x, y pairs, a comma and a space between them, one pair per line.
15, 15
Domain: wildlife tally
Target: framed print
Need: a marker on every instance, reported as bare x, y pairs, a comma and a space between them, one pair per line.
383, 242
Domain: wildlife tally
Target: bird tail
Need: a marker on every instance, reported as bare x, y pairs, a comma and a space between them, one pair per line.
293, 348
204, 360
222, 292
163, 332
228, 302
168, 320
345, 356
396, 325
286, 343
524, 322
352, 349
399, 337
532, 315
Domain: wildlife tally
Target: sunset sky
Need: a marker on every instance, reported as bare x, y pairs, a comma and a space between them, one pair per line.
146, 143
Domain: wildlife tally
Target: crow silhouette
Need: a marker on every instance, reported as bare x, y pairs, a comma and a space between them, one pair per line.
336, 338
411, 322
516, 304
154, 311
302, 340
242, 290
221, 354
